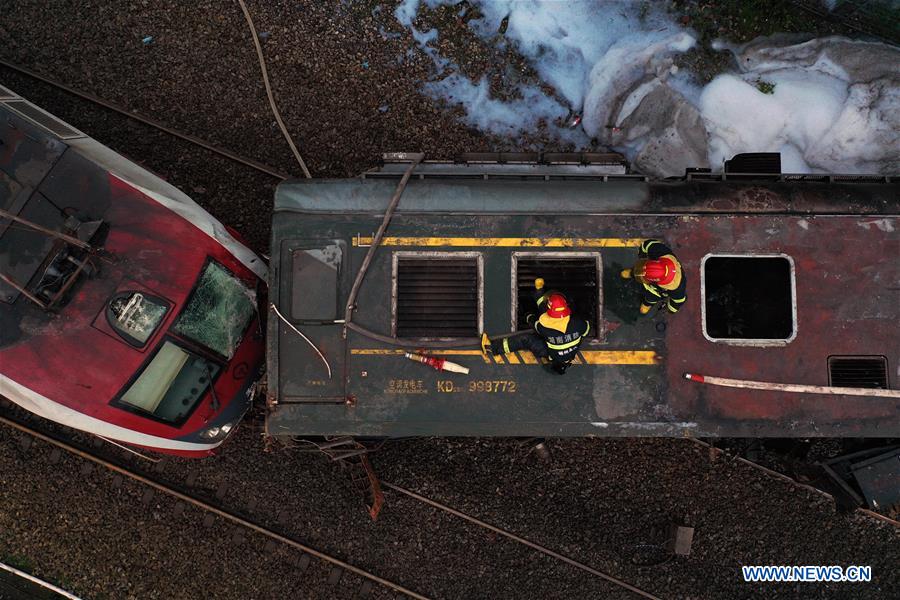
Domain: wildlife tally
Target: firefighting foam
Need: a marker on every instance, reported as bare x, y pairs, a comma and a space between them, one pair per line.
828, 104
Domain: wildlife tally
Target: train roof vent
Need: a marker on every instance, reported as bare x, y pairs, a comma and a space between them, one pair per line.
437, 295
754, 162
44, 119
858, 371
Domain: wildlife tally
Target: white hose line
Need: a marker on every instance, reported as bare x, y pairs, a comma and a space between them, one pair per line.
265, 74
300, 333
792, 387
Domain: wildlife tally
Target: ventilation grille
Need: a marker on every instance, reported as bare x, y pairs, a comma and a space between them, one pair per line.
576, 278
754, 162
858, 371
45, 120
437, 297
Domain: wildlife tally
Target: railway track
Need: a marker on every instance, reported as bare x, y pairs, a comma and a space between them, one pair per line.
154, 123
211, 507
148, 477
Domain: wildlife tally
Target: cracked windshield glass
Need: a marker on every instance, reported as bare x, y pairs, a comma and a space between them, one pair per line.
218, 311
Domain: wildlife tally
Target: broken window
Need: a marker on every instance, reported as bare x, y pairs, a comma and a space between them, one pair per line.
135, 316
858, 371
575, 275
749, 298
171, 384
437, 295
218, 311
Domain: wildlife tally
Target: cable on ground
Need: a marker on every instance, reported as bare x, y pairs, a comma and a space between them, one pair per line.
265, 74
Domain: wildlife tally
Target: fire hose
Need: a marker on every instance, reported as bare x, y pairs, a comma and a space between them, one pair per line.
364, 269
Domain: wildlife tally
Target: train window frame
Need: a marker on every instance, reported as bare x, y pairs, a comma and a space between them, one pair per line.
188, 347
757, 342
438, 255
190, 297
596, 333
334, 253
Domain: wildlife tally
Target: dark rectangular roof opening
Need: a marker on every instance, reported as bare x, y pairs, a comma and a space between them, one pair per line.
858, 371
437, 295
576, 276
749, 298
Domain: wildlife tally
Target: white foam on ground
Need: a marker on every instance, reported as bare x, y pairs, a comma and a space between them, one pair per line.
602, 58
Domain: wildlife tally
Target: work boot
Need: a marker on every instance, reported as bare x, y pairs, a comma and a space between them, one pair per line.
485, 344
626, 274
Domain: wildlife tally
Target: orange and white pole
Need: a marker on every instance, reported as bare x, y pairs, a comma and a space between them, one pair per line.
438, 363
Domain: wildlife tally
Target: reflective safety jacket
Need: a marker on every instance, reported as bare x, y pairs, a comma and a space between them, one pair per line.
563, 336
673, 293
556, 338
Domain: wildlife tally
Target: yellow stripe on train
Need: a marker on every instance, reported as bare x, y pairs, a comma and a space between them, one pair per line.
588, 357
504, 242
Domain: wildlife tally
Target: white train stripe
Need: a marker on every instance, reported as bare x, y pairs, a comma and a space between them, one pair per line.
43, 406
39, 582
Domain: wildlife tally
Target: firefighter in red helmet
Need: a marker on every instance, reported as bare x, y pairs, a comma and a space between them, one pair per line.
660, 275
557, 332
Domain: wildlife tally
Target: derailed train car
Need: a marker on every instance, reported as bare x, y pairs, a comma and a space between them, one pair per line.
126, 310
791, 280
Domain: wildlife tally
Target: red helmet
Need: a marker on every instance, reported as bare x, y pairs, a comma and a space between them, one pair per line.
557, 306
660, 271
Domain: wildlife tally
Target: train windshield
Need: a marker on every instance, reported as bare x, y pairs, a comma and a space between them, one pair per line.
171, 384
218, 311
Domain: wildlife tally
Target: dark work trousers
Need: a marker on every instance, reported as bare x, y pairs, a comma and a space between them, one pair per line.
527, 341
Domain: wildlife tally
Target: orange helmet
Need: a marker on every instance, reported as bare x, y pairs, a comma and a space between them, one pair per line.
660, 271
557, 306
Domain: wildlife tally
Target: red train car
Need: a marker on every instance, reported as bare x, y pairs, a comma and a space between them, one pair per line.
126, 310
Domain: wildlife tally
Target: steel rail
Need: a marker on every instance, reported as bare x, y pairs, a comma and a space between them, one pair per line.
520, 539
790, 480
202, 504
249, 162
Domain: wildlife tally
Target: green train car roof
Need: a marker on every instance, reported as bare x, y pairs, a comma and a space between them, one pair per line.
790, 279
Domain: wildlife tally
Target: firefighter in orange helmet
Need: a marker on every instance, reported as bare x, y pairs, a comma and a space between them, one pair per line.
660, 275
557, 332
